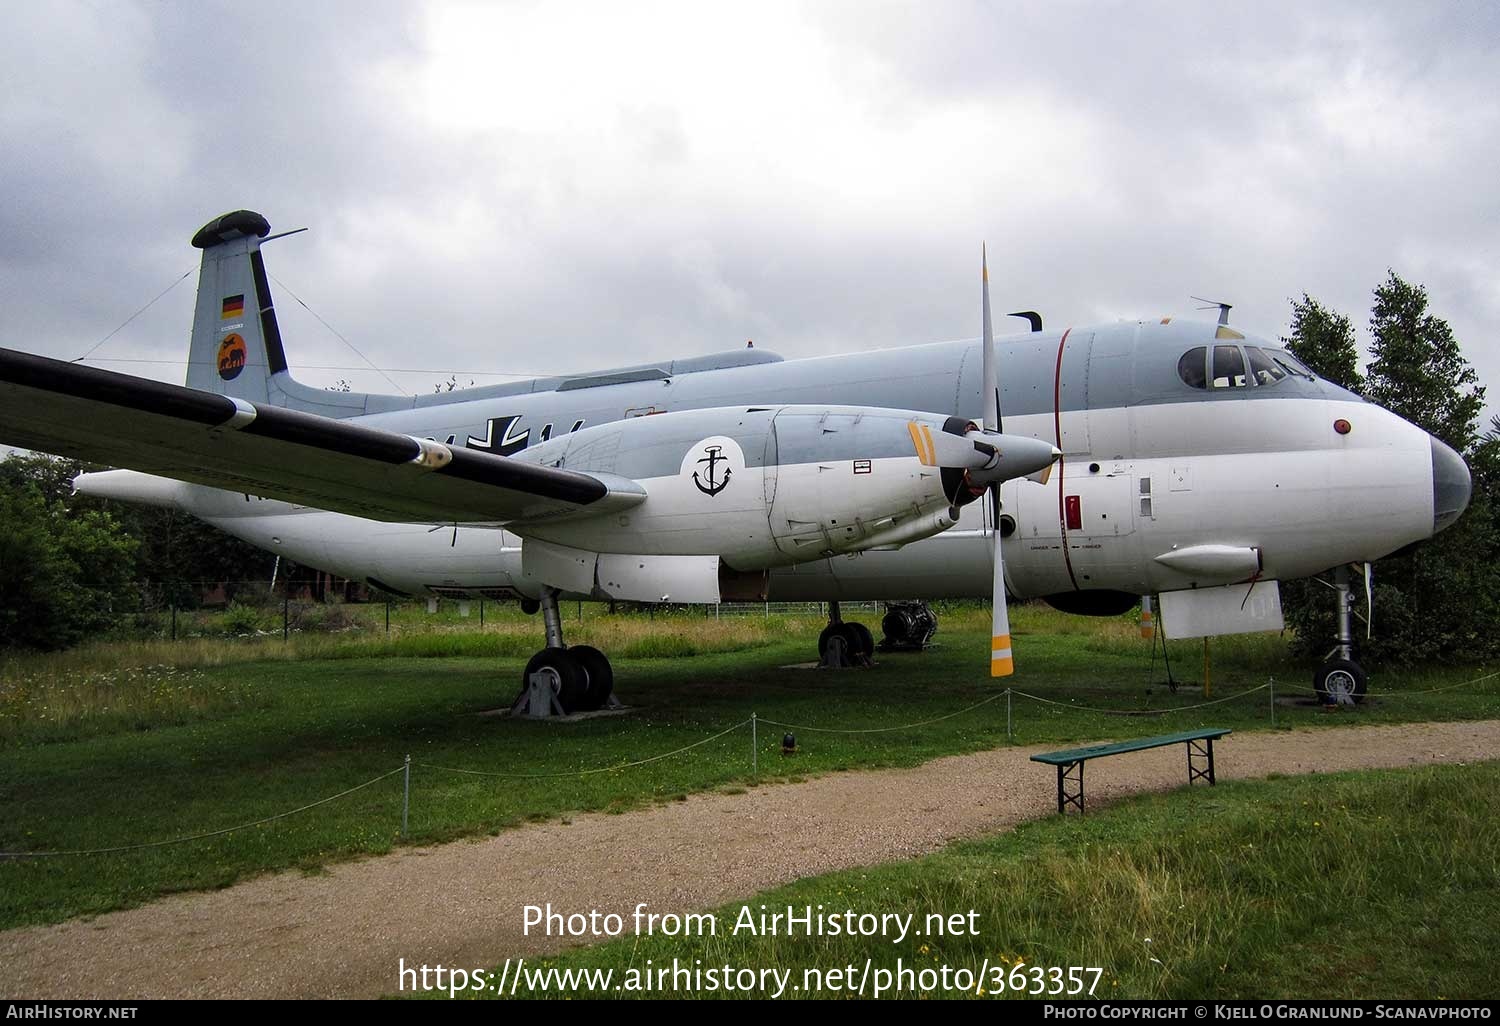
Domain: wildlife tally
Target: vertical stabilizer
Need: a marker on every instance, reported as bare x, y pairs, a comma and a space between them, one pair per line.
236, 344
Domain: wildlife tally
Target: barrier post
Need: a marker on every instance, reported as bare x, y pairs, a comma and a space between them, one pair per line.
754, 749
1007, 715
406, 794
1273, 703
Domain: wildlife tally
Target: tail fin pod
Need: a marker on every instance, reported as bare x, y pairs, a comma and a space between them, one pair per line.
236, 344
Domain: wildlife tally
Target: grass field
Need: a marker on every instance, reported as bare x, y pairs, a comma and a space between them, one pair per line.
1352, 886
117, 745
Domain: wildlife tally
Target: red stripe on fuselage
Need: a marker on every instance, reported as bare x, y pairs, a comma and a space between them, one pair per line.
1062, 519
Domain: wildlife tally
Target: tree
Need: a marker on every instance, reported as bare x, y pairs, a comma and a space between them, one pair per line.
1417, 369
1438, 600
62, 577
1324, 340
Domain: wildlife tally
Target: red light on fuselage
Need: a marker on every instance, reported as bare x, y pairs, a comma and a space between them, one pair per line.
1342, 426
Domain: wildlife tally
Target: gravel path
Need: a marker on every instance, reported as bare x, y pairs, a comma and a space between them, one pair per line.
341, 934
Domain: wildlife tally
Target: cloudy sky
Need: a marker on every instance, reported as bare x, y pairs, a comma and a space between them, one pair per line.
514, 189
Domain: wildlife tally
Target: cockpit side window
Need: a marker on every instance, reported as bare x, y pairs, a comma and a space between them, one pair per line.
1229, 367
1262, 368
1192, 368
1292, 364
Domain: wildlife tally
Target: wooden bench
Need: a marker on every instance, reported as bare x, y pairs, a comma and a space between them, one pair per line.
1200, 753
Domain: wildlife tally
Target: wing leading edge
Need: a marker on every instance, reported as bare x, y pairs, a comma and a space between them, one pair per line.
204, 438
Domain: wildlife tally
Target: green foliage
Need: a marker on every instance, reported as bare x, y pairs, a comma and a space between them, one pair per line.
1324, 340
1439, 600
62, 577
1417, 369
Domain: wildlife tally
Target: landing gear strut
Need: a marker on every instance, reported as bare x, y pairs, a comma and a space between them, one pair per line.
560, 680
1341, 680
843, 645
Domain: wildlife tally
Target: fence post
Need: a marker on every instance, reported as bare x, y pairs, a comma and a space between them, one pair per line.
286, 612
1007, 715
174, 618
1273, 703
754, 749
388, 616
481, 612
406, 795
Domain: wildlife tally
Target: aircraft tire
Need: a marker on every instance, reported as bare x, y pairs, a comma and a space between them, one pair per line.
568, 678
823, 639
1336, 675
861, 641
600, 676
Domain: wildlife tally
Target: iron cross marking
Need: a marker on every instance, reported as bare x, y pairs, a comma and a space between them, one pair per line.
712, 485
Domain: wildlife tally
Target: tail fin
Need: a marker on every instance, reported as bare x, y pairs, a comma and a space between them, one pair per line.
236, 347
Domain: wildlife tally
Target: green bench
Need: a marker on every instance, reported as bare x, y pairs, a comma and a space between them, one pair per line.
1200, 754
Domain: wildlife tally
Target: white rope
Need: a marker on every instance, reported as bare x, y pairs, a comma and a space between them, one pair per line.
884, 730
1142, 712
1411, 694
198, 837
587, 772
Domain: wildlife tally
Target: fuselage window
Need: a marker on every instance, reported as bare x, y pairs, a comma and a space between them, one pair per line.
1191, 368
1229, 367
1262, 368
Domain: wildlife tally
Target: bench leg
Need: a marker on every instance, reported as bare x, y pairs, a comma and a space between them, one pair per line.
1201, 750
1065, 774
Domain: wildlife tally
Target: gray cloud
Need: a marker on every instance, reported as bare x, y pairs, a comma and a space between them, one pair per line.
536, 188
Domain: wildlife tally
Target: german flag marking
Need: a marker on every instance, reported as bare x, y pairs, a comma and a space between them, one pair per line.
234, 306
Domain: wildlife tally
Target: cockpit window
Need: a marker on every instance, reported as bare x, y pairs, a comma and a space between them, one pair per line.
1229, 367
1262, 368
1191, 368
1292, 364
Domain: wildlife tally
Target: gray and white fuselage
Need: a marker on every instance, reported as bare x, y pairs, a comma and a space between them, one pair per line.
1173, 475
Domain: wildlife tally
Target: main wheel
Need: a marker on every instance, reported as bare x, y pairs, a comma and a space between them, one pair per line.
861, 641
564, 674
599, 674
1339, 676
829, 632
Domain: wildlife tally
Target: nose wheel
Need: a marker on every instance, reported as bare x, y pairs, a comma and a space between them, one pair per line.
1341, 680
560, 680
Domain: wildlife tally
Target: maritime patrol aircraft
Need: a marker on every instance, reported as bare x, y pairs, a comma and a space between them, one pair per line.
1171, 458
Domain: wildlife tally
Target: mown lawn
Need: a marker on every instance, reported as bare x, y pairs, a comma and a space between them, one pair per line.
1380, 884
134, 743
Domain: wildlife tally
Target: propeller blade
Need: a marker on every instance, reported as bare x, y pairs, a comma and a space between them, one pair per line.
991, 374
1001, 663
1014, 457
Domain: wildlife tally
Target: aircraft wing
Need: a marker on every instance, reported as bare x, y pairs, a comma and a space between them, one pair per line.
205, 438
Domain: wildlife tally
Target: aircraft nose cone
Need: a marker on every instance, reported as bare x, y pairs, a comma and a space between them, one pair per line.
1450, 486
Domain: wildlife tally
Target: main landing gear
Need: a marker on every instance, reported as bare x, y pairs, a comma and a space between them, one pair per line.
843, 645
560, 680
1341, 680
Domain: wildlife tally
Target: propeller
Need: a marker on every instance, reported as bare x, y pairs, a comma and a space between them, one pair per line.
1016, 456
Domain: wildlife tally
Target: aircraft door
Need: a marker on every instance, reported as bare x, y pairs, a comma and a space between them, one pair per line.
1098, 514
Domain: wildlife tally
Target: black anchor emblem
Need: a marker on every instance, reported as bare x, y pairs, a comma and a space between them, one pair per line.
713, 485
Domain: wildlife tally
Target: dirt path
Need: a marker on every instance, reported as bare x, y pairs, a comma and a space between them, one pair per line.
341, 934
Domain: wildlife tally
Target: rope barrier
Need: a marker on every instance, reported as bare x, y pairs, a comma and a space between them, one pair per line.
1408, 694
884, 730
1141, 712
198, 837
587, 772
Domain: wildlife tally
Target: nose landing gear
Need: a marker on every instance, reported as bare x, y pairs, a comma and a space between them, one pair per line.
1341, 680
